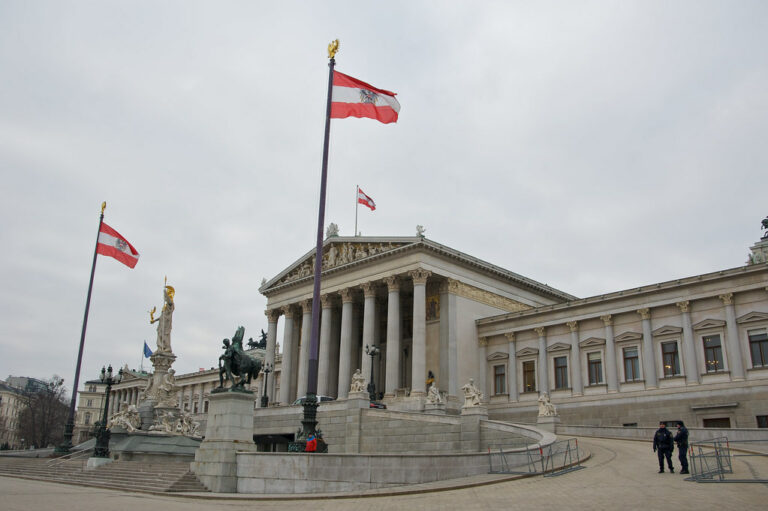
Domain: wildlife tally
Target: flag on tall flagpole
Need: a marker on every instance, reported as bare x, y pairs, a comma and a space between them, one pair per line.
354, 98
147, 351
363, 199
112, 243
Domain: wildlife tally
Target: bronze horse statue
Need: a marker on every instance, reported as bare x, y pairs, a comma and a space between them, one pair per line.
235, 362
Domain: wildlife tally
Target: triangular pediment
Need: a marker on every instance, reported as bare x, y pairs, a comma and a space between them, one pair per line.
338, 252
498, 356
527, 352
752, 317
558, 346
628, 336
668, 330
709, 323
592, 341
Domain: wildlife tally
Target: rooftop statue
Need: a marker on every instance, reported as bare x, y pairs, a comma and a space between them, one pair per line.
235, 362
765, 227
261, 343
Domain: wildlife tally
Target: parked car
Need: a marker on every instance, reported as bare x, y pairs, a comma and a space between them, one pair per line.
320, 399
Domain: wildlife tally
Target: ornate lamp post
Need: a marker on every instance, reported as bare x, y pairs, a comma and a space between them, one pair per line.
101, 450
264, 397
372, 351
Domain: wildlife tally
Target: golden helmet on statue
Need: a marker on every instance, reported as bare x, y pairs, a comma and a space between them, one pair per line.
170, 291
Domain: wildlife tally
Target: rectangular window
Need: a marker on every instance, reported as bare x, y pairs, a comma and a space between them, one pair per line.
87, 418
561, 372
758, 347
595, 363
529, 376
631, 364
205, 406
762, 421
90, 403
720, 422
499, 379
713, 353
670, 358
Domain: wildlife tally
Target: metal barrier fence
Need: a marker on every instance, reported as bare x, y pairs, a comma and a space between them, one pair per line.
551, 460
711, 461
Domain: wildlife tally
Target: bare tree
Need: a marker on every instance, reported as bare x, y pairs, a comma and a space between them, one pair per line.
41, 421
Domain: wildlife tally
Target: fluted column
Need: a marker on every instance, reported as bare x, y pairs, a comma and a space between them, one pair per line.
272, 316
691, 367
286, 367
306, 332
482, 344
393, 336
181, 398
345, 343
543, 369
512, 369
324, 357
649, 362
369, 318
419, 360
611, 371
735, 360
577, 385
200, 398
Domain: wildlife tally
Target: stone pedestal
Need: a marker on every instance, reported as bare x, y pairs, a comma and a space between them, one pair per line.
229, 429
97, 462
470, 427
434, 408
548, 423
759, 252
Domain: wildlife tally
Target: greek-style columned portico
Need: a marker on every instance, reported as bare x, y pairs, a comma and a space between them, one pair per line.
413, 298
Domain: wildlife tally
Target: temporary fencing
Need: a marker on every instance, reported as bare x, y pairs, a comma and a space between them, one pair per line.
550, 460
711, 461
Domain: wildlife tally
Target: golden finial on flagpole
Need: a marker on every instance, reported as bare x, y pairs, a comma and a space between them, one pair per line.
333, 47
103, 207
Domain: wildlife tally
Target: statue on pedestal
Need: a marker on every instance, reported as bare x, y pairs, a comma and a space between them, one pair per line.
234, 362
546, 408
128, 418
358, 382
472, 395
433, 395
164, 322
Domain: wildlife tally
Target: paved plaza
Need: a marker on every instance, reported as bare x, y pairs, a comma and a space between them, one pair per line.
620, 474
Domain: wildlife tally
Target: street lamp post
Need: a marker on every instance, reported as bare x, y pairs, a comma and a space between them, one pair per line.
372, 351
264, 397
101, 450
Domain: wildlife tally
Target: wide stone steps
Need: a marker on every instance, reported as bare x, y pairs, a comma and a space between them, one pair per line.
122, 475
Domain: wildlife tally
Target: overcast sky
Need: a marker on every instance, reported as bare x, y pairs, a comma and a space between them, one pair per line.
592, 146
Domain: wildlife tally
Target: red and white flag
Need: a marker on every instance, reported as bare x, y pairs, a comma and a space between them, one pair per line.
354, 98
112, 244
363, 199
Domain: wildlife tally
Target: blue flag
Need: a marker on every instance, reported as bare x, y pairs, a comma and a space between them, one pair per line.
147, 351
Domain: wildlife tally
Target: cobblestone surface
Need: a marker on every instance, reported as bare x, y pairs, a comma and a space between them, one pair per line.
620, 475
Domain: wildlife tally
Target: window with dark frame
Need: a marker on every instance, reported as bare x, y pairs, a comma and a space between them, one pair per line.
529, 376
631, 364
595, 364
561, 372
713, 353
758, 347
499, 379
762, 421
670, 358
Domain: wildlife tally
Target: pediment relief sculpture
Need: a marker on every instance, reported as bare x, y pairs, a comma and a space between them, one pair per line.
338, 254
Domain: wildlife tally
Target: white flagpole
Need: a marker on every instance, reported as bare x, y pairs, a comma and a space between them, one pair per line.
357, 195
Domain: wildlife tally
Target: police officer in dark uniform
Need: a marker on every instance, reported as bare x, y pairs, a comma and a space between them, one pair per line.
663, 446
681, 439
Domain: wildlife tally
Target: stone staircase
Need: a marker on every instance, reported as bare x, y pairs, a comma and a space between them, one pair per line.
118, 475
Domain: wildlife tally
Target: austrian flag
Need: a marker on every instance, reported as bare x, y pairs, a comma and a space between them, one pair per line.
354, 98
363, 199
112, 244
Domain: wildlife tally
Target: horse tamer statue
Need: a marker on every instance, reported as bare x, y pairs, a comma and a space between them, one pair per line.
234, 362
